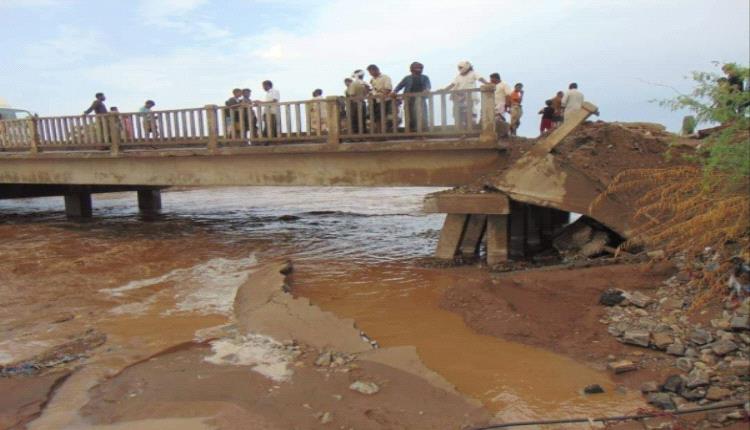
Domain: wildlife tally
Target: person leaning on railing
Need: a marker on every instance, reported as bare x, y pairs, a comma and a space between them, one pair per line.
318, 113
270, 120
381, 88
415, 82
148, 119
463, 102
356, 92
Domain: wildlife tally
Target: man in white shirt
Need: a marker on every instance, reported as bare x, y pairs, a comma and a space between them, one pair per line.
502, 96
381, 88
572, 100
272, 113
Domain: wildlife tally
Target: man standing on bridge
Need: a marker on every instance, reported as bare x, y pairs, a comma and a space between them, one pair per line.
572, 100
381, 88
97, 106
416, 82
270, 120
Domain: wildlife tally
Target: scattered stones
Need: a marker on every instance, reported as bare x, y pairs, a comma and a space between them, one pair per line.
683, 363
697, 378
740, 322
649, 387
637, 337
661, 340
717, 393
611, 297
364, 387
676, 349
622, 366
674, 384
723, 347
700, 336
694, 395
661, 400
638, 299
740, 367
593, 389
324, 359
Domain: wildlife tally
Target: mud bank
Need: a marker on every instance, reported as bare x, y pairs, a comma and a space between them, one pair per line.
278, 382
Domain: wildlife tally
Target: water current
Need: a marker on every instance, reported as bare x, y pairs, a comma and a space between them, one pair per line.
156, 281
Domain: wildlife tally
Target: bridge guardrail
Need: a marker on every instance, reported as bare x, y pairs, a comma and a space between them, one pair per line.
333, 120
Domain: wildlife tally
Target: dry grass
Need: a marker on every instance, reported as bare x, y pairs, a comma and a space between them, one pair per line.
679, 212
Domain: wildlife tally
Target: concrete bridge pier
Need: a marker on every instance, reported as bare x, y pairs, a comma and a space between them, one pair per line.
149, 201
511, 230
78, 205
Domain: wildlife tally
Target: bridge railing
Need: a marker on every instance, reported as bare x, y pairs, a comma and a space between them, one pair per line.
333, 120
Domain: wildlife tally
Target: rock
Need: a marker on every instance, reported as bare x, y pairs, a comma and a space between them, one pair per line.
324, 359
622, 366
717, 393
637, 337
649, 387
708, 357
720, 323
682, 276
683, 363
593, 389
740, 367
672, 303
638, 299
700, 337
697, 378
596, 245
691, 352
674, 384
676, 349
364, 387
694, 394
661, 340
740, 322
611, 297
723, 347
657, 254
326, 418
661, 400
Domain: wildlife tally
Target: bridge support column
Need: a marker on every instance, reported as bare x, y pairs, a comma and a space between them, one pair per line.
149, 201
497, 239
534, 223
78, 205
473, 236
517, 230
450, 236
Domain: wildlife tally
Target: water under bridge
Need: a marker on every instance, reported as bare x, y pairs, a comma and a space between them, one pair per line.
436, 138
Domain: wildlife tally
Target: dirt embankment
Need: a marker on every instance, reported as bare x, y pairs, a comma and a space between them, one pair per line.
555, 309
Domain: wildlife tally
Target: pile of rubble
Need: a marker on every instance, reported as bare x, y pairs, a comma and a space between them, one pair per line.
710, 362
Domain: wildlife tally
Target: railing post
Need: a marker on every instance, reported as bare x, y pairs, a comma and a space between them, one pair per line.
213, 127
334, 120
488, 132
114, 130
34, 133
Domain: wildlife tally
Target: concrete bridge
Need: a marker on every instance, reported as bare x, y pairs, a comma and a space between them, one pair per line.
423, 139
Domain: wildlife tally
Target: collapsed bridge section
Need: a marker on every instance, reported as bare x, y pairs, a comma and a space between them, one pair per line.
518, 212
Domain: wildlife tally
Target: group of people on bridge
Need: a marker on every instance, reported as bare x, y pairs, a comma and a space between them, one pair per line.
374, 106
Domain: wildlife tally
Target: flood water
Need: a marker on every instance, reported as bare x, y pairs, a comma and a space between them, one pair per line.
152, 283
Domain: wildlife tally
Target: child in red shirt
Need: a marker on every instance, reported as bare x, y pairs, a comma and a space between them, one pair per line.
548, 117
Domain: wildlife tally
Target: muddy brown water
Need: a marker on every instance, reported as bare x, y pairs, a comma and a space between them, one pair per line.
152, 284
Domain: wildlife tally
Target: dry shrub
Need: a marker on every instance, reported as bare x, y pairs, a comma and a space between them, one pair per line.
678, 211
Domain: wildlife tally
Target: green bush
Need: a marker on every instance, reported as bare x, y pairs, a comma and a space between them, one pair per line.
714, 100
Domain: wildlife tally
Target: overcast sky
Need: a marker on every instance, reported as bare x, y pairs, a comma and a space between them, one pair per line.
183, 53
